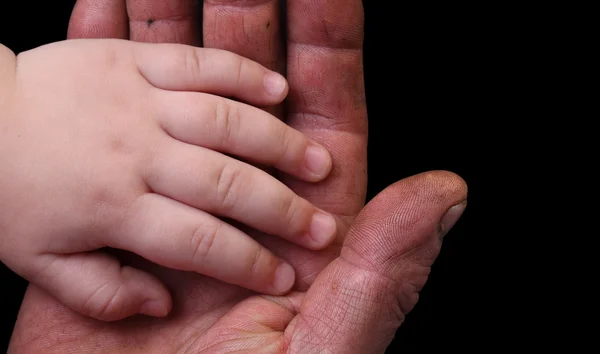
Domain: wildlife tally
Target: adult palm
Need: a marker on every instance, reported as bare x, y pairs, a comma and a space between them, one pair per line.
349, 298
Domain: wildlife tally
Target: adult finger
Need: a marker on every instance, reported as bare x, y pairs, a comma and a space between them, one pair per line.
99, 19
327, 99
357, 302
165, 21
250, 28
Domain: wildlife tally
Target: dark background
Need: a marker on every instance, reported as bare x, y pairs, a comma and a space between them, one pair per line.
430, 74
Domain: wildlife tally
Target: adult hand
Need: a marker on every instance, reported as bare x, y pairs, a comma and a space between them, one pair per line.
354, 306
347, 299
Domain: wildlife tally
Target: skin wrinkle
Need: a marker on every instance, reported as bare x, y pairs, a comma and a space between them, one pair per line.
172, 10
389, 261
245, 32
329, 49
237, 4
373, 272
305, 336
308, 100
99, 289
202, 241
190, 339
315, 20
149, 21
172, 21
354, 316
312, 122
285, 308
406, 299
327, 194
405, 306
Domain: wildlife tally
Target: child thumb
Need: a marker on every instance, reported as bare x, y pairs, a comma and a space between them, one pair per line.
96, 285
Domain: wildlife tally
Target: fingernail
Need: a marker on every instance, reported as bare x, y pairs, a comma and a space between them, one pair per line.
451, 217
317, 160
284, 278
274, 83
155, 308
322, 229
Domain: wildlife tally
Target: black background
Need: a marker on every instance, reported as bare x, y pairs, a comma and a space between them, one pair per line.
430, 73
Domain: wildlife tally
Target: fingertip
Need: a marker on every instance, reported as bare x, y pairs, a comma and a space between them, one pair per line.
322, 231
448, 185
154, 297
317, 162
98, 19
276, 86
284, 279
156, 307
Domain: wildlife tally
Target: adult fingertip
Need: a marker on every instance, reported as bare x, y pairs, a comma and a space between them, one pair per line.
446, 182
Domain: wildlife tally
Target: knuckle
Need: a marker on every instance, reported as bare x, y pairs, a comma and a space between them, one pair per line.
255, 264
227, 122
230, 186
192, 61
104, 303
240, 64
202, 242
286, 144
291, 208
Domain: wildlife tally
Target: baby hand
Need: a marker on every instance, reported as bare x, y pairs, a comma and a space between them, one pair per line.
111, 143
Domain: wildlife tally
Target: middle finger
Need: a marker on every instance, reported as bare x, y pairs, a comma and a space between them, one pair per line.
250, 28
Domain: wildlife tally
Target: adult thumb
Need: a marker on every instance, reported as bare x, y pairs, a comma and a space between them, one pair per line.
95, 284
358, 302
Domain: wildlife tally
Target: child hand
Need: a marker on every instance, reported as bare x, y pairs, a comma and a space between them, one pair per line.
111, 143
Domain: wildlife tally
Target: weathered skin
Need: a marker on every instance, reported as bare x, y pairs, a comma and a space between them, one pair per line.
349, 298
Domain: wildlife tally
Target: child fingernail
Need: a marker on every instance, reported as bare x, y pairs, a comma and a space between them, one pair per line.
317, 160
322, 229
284, 278
274, 83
